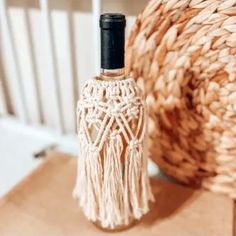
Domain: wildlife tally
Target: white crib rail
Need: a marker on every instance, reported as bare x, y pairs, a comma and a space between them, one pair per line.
12, 59
52, 83
47, 53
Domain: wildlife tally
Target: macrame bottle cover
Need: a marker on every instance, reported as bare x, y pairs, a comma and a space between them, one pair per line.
112, 182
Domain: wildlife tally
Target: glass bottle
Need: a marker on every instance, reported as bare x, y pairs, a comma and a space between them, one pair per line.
112, 184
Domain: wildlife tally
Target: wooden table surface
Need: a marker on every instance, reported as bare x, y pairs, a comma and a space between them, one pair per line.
42, 205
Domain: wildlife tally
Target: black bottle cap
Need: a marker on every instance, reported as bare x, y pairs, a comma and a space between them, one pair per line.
112, 40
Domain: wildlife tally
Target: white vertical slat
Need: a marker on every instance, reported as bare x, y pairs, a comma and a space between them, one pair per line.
23, 46
84, 46
60, 26
96, 9
3, 107
49, 87
130, 20
11, 65
72, 47
40, 66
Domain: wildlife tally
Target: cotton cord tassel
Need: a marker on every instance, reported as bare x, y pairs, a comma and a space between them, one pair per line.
89, 180
112, 184
134, 167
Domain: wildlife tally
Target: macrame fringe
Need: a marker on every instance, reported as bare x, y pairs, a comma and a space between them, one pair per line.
89, 181
112, 182
112, 208
117, 192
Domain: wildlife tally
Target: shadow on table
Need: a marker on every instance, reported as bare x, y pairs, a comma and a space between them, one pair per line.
170, 198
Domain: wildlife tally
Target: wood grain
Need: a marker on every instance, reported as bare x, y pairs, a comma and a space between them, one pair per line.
42, 204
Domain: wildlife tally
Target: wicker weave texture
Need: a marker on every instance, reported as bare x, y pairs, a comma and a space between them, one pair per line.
183, 54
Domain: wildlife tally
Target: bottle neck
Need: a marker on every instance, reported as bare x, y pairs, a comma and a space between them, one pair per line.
112, 46
112, 74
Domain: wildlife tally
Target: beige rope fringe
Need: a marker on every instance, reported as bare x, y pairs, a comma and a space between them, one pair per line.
183, 54
112, 183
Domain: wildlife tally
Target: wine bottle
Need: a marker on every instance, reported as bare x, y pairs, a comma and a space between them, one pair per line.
112, 182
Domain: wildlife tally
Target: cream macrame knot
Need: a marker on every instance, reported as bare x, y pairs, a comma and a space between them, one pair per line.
134, 143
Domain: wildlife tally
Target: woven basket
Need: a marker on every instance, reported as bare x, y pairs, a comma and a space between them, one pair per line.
183, 54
